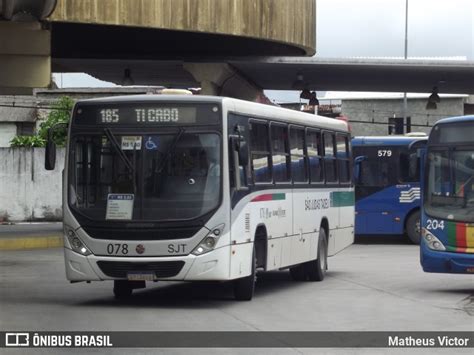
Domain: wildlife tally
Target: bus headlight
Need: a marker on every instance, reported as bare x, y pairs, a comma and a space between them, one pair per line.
210, 241
431, 241
76, 244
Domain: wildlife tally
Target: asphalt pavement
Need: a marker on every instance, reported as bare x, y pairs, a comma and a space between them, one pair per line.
369, 286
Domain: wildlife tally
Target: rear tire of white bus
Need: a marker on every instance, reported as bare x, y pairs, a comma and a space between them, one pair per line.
122, 289
315, 270
413, 227
244, 287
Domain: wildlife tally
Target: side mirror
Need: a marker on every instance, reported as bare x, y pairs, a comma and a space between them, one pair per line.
357, 167
243, 150
50, 152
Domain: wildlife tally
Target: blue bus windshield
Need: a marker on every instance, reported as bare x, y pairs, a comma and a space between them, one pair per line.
450, 192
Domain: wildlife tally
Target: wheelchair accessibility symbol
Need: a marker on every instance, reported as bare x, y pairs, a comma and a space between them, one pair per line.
150, 144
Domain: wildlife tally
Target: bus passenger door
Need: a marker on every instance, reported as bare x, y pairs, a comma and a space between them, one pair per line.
376, 194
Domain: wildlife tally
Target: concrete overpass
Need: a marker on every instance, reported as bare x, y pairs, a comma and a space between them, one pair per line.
281, 73
38, 33
227, 47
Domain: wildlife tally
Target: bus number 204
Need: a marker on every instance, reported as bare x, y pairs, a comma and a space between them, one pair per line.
433, 224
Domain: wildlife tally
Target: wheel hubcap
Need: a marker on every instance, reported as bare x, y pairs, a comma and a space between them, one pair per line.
417, 227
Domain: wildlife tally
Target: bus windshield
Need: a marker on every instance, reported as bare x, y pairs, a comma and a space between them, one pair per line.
450, 185
158, 177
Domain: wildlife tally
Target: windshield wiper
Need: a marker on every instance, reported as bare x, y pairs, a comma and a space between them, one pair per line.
170, 150
113, 140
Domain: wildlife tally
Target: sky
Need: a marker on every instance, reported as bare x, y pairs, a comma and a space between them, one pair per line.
375, 28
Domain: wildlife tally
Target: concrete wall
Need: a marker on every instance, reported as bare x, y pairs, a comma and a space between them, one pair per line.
379, 110
28, 192
7, 132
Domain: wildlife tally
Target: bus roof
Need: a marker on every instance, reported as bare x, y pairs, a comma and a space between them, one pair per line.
253, 109
455, 119
387, 140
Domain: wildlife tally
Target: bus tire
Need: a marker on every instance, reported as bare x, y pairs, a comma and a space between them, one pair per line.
316, 269
298, 273
413, 227
244, 287
122, 289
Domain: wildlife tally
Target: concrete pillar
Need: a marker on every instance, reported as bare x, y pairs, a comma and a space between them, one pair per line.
218, 79
25, 57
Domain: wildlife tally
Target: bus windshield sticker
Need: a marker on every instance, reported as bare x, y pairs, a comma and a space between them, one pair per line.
119, 206
152, 142
131, 142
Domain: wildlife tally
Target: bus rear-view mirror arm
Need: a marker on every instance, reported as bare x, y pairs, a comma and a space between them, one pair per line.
50, 151
240, 154
243, 150
357, 167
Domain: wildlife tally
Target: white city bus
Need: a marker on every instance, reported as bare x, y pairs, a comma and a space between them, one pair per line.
193, 188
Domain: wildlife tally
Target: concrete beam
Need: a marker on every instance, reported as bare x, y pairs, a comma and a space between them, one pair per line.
25, 57
220, 79
286, 24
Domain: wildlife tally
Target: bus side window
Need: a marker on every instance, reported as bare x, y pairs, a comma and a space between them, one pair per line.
314, 151
259, 152
374, 173
342, 146
410, 166
330, 157
299, 169
280, 152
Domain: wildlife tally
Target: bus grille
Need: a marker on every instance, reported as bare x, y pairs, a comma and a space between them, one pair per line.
120, 269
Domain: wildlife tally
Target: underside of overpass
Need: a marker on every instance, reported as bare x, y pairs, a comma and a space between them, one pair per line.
280, 73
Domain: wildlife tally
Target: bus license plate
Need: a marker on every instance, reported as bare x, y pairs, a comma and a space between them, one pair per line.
141, 276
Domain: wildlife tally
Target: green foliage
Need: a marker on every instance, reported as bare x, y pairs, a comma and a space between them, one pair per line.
27, 141
60, 113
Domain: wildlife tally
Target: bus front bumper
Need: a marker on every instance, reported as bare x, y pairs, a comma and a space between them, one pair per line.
446, 262
213, 265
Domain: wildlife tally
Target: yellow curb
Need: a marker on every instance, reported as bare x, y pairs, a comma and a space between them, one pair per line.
31, 243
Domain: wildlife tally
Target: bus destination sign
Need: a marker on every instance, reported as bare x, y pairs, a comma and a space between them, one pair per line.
147, 115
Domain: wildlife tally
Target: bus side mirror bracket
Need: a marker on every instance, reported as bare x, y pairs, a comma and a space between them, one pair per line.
243, 150
357, 167
240, 152
50, 151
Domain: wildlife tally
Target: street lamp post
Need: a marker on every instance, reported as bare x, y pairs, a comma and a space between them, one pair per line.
405, 101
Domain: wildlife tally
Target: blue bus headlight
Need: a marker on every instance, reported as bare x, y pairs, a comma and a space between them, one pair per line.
431, 241
76, 244
210, 241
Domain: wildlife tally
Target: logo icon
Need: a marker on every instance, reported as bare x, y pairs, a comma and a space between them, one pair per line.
140, 249
17, 339
151, 144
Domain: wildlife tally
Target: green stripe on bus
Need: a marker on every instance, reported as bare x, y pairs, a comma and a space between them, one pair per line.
342, 198
451, 233
279, 197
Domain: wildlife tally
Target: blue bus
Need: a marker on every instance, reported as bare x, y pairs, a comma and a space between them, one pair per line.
447, 244
387, 185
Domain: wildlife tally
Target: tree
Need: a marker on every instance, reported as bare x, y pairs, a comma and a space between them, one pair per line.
60, 113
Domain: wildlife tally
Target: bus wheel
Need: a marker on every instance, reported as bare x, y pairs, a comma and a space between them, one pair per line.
413, 227
122, 289
244, 287
316, 269
298, 273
